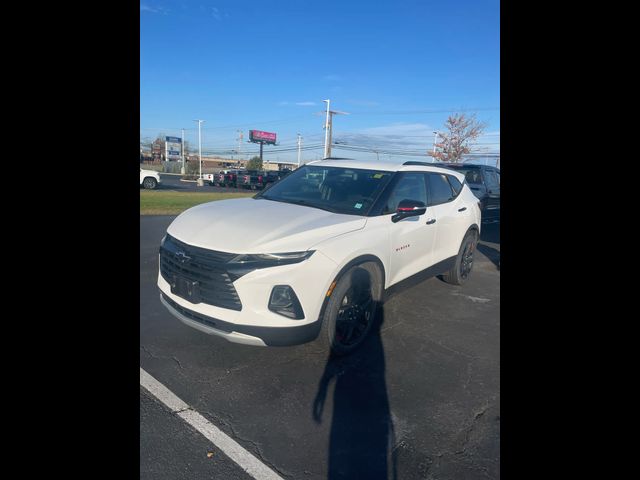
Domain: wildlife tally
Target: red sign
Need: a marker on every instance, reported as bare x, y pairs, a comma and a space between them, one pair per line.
260, 136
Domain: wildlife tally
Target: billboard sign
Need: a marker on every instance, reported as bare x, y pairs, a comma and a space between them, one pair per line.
264, 137
173, 148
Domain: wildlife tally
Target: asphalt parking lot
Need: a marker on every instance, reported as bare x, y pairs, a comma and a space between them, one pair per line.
419, 400
175, 182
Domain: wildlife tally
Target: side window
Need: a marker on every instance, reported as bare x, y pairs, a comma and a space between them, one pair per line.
410, 187
474, 176
492, 179
455, 185
439, 189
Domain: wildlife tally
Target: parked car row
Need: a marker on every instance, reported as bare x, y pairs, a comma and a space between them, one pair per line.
250, 179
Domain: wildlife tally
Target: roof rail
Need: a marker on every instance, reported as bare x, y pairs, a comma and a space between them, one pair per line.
413, 162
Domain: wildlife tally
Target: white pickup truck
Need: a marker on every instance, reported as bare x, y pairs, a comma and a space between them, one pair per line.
208, 177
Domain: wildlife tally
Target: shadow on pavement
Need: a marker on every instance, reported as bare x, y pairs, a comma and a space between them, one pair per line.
491, 253
362, 436
490, 232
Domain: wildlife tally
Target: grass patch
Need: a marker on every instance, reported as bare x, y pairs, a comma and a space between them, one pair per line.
158, 202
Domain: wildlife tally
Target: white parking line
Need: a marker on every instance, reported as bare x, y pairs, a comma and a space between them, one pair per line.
222, 441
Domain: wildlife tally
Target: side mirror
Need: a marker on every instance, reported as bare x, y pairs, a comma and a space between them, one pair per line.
409, 208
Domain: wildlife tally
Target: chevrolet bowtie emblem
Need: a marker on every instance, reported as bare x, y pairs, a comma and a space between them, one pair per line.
182, 257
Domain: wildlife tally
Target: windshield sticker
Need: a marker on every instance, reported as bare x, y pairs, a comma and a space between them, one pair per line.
357, 205
378, 175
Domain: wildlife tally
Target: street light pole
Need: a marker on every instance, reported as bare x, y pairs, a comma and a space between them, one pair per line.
182, 169
200, 122
326, 131
299, 151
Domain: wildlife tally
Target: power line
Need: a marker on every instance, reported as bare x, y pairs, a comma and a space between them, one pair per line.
411, 112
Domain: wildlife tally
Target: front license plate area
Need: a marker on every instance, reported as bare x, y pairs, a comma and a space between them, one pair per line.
185, 288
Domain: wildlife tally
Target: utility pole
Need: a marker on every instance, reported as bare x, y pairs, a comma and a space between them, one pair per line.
239, 143
327, 141
182, 169
299, 146
329, 129
435, 139
200, 122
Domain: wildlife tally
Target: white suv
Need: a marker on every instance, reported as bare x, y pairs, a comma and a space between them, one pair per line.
149, 179
311, 256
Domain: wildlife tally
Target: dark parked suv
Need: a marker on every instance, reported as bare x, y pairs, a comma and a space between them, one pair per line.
484, 182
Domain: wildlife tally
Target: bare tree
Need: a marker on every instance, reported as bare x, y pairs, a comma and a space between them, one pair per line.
454, 143
254, 164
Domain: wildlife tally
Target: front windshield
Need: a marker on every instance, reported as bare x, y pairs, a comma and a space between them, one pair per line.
336, 189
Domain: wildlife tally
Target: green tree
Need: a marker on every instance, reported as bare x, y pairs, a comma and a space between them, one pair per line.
254, 164
454, 143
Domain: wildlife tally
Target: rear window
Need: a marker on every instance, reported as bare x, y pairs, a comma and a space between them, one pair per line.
439, 189
455, 184
472, 175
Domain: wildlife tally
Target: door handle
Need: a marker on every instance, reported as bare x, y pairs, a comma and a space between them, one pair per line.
462, 209
432, 221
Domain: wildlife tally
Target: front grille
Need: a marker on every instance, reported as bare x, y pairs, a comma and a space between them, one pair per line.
204, 268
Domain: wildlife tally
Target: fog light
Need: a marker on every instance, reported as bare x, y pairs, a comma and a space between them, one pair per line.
284, 302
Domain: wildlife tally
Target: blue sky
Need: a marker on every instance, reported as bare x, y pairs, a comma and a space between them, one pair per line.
395, 66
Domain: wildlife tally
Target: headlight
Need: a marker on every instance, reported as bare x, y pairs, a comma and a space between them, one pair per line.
271, 259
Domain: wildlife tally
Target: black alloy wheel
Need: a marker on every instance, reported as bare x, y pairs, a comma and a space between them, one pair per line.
466, 263
355, 314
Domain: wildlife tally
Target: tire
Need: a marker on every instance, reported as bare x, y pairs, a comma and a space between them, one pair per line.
461, 270
352, 309
149, 183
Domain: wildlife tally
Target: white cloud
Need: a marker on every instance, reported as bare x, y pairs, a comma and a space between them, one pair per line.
410, 136
148, 8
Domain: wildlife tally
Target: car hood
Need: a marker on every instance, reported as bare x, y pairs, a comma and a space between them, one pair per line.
247, 225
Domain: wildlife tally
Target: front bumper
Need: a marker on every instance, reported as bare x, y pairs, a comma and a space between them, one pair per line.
255, 324
245, 334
